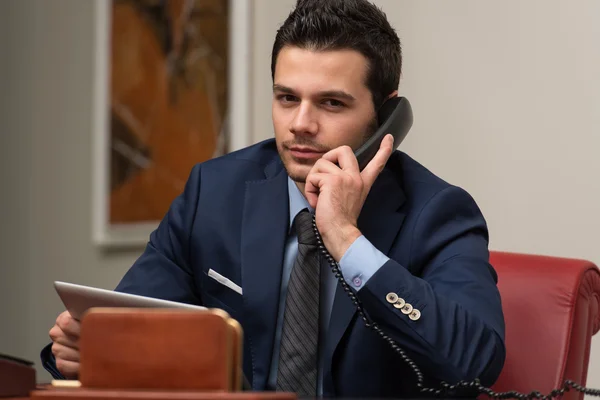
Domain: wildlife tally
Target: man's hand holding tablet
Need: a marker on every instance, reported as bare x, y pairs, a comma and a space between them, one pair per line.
77, 300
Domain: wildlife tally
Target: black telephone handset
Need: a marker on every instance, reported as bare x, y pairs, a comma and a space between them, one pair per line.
395, 117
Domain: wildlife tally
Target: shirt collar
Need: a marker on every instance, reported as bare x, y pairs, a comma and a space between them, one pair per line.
297, 201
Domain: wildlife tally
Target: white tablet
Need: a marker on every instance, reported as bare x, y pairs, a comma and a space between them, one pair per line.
78, 299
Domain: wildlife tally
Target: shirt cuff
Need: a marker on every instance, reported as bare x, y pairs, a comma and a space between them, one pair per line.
360, 262
49, 362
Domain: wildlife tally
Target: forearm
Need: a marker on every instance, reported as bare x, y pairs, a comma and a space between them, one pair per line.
451, 337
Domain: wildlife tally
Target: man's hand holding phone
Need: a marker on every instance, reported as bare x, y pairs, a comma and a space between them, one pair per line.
65, 344
337, 189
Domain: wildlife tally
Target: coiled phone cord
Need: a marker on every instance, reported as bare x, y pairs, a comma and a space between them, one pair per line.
445, 389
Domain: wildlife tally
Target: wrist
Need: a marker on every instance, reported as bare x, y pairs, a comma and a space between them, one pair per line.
338, 243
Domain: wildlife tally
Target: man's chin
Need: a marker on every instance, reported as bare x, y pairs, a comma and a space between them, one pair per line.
297, 170
297, 178
297, 173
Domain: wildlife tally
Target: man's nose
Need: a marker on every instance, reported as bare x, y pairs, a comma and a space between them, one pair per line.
304, 122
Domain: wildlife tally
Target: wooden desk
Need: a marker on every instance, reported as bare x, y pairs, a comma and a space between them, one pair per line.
104, 394
47, 392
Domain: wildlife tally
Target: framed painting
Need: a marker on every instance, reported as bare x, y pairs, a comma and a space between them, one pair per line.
164, 75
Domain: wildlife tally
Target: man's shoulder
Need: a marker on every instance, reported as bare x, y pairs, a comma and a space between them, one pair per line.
260, 155
432, 201
250, 162
418, 182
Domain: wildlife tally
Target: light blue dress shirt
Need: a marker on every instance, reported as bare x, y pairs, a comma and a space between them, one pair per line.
358, 264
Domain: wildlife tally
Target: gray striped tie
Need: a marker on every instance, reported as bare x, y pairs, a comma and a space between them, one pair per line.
298, 356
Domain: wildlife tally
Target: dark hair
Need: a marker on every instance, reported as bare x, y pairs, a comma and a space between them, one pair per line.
322, 25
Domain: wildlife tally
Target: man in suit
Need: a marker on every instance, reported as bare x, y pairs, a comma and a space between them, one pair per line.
411, 248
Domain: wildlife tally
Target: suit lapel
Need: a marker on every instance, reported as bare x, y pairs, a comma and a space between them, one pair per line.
379, 222
264, 231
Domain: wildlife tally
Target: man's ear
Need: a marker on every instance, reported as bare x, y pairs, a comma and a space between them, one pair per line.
393, 94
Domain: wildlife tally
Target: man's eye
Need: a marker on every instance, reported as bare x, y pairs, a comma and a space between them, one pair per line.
334, 103
286, 98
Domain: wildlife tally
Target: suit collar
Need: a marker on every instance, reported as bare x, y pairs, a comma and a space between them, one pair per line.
274, 168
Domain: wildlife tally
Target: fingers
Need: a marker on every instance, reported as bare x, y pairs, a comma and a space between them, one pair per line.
65, 340
66, 331
344, 157
68, 324
65, 347
376, 165
312, 187
322, 168
325, 169
65, 353
70, 369
324, 165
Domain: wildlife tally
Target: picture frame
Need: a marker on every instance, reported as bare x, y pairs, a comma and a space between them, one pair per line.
236, 124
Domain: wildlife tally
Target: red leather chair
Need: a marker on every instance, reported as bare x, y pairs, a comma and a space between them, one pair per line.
552, 309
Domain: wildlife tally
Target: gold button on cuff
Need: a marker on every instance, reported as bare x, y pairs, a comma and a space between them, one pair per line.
391, 298
407, 309
415, 315
399, 303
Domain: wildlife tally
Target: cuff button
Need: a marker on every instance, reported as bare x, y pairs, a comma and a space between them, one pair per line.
399, 303
415, 315
407, 309
391, 298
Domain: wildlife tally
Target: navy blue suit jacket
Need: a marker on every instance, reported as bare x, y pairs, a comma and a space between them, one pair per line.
233, 218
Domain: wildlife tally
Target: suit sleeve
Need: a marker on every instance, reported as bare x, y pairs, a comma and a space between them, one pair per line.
457, 330
163, 270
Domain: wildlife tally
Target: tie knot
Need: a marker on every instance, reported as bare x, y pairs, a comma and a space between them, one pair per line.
304, 228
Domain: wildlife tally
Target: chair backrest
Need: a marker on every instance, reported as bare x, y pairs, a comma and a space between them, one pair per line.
551, 308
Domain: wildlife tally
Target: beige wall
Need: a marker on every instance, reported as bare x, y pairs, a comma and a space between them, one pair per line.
45, 159
506, 104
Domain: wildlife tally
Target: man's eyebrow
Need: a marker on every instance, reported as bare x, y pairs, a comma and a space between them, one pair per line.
340, 94
280, 88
